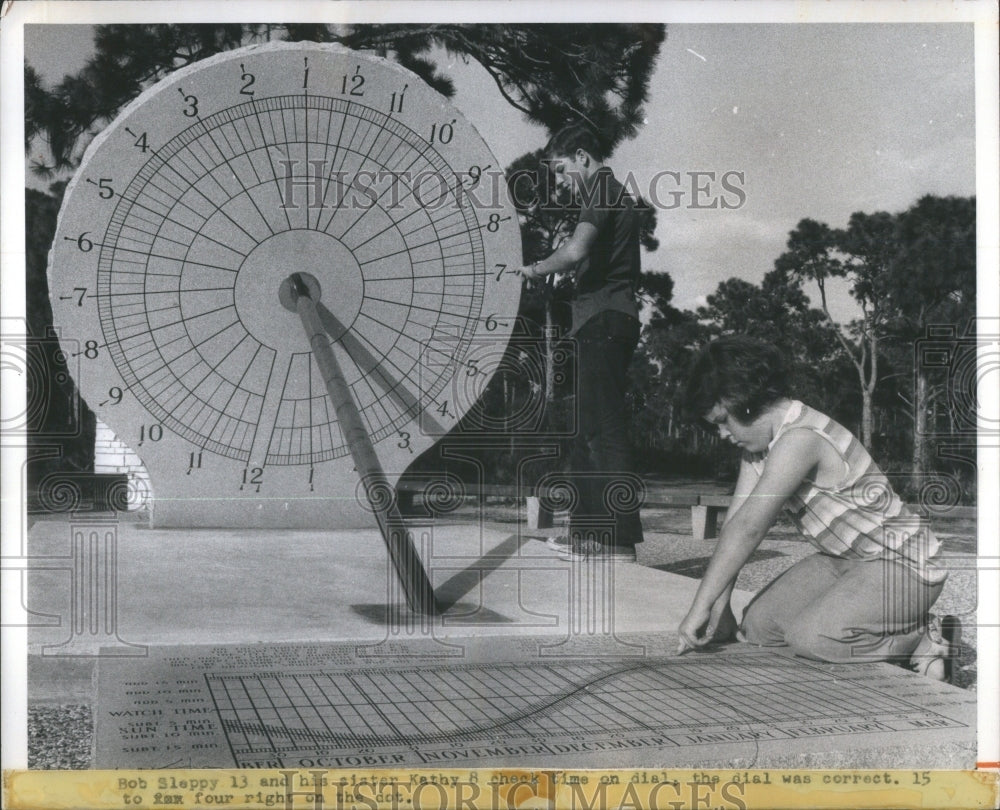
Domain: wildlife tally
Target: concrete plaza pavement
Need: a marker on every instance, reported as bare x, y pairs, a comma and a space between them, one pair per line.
131, 591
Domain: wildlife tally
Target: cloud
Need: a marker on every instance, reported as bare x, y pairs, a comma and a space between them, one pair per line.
726, 226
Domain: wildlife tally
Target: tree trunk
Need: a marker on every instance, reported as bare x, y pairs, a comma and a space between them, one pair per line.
868, 380
866, 417
867, 389
550, 372
509, 394
506, 402
920, 404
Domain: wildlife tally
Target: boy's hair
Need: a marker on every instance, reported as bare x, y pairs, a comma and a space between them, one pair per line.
576, 136
747, 373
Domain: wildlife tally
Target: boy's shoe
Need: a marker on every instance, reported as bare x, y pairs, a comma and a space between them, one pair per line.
560, 543
592, 550
934, 657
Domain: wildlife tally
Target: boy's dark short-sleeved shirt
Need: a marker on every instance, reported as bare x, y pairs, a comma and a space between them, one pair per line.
606, 279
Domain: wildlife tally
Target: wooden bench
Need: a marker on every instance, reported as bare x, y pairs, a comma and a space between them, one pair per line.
406, 491
705, 517
537, 516
707, 510
710, 510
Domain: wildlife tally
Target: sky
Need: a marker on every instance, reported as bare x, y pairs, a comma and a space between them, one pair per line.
824, 120
819, 120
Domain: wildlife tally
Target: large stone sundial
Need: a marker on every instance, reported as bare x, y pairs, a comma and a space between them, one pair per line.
218, 200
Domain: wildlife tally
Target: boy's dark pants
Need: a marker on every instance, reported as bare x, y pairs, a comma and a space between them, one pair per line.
607, 508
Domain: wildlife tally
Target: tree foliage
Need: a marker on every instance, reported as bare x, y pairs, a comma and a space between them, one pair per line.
907, 271
932, 270
126, 60
778, 311
861, 254
551, 74
55, 411
932, 285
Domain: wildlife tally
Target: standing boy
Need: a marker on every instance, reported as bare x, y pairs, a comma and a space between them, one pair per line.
603, 255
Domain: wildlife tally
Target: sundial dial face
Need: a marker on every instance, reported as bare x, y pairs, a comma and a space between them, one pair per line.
169, 278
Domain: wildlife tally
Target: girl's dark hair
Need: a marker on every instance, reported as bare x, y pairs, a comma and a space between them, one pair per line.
747, 373
576, 136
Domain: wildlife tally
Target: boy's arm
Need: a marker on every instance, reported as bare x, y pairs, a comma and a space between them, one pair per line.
566, 255
791, 459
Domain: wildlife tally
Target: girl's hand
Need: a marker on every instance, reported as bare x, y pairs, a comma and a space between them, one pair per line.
719, 625
689, 632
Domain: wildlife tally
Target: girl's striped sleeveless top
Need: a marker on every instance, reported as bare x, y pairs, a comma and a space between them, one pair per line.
861, 517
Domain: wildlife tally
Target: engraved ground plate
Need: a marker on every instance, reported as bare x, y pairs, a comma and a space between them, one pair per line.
340, 706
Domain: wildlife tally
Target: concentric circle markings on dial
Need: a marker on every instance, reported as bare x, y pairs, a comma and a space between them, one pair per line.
209, 235
202, 198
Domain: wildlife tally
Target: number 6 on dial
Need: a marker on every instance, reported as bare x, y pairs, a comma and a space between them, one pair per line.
252, 166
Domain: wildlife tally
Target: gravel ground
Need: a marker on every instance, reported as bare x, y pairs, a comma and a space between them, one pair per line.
59, 736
